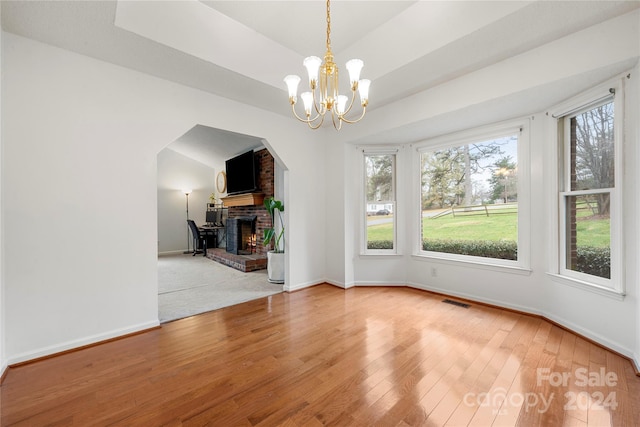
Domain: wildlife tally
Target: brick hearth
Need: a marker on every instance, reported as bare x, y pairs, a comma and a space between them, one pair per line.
243, 263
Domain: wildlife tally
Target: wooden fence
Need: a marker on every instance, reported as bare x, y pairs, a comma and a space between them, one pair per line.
484, 210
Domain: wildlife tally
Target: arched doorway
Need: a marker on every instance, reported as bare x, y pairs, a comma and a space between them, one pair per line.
187, 284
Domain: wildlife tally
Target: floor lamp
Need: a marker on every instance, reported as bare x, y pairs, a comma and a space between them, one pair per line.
186, 193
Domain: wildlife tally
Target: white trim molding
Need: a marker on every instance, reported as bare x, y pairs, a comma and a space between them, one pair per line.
82, 342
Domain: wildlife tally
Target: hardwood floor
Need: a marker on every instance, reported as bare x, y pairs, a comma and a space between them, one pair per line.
325, 356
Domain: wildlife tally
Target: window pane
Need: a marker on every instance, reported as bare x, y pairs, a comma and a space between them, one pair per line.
470, 199
380, 228
589, 234
379, 169
380, 200
592, 149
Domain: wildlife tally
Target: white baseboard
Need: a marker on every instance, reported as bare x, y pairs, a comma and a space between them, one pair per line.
292, 288
176, 252
604, 341
337, 284
559, 320
3, 368
474, 297
635, 358
341, 285
387, 284
70, 345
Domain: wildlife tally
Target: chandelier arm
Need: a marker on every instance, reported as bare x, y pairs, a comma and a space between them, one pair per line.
364, 110
353, 97
318, 125
307, 120
333, 120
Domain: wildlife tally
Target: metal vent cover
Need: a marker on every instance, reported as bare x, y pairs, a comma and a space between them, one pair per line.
458, 303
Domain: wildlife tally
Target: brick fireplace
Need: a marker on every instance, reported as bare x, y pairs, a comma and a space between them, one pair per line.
241, 235
257, 260
264, 159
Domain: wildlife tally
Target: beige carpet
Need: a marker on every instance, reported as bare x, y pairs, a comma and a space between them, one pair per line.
189, 285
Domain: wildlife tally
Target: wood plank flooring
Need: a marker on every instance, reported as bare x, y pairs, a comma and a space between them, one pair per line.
325, 356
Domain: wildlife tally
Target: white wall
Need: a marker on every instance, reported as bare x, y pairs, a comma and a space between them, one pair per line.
634, 257
569, 61
80, 140
175, 173
633, 191
3, 362
337, 266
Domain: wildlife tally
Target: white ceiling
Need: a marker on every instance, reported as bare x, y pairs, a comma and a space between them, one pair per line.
241, 50
212, 146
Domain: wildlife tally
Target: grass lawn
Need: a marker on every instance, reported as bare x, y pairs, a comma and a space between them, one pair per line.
476, 227
380, 232
591, 232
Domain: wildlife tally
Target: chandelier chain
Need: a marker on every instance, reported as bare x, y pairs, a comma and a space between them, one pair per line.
328, 26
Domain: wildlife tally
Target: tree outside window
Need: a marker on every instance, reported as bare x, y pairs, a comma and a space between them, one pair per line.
470, 199
380, 201
590, 177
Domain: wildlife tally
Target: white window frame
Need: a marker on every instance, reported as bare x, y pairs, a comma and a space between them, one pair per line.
481, 134
560, 127
379, 151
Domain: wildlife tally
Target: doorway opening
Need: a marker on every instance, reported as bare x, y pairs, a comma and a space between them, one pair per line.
187, 284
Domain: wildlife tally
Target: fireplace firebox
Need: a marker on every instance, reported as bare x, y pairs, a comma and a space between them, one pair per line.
241, 237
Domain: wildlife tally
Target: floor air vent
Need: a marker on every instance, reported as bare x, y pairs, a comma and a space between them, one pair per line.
458, 303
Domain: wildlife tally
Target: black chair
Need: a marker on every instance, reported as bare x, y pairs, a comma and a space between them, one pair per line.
197, 238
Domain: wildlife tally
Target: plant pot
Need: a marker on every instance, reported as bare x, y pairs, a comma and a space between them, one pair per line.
275, 266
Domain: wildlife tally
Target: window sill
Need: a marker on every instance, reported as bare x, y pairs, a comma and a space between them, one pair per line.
483, 265
586, 286
378, 254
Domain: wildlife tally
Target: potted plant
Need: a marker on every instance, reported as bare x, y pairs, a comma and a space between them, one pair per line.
275, 257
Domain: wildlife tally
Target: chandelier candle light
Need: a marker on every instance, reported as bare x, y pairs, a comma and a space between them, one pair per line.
323, 78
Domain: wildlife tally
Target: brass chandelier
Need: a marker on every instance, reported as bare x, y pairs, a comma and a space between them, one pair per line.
323, 96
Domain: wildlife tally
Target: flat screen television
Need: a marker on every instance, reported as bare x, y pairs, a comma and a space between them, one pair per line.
241, 174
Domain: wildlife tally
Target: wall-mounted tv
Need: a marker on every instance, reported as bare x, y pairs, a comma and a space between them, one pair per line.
241, 174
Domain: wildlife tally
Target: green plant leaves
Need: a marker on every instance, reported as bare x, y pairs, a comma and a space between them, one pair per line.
268, 235
272, 205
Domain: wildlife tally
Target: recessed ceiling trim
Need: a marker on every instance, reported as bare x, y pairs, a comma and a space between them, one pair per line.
428, 26
198, 30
